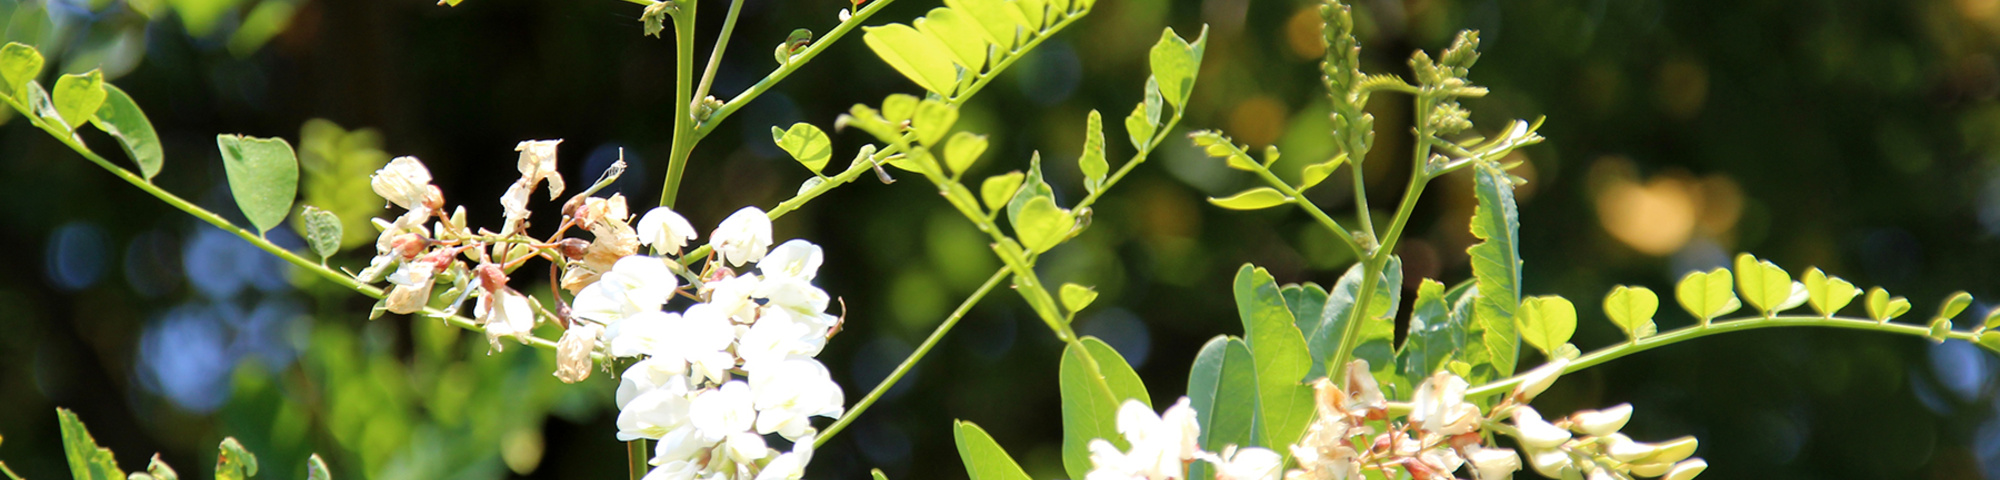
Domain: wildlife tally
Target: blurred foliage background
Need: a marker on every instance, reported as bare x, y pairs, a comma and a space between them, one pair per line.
1861, 136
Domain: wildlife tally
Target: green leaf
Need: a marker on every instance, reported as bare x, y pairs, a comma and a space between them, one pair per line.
77, 97
121, 118
1828, 293
233, 462
38, 100
1035, 11
1940, 330
998, 189
963, 150
1764, 285
1092, 161
1154, 102
1632, 309
160, 471
877, 474
1954, 305
1175, 63
921, 58
1707, 295
1279, 352
87, 461
1041, 225
1001, 23
1090, 402
322, 231
899, 107
1992, 318
1884, 308
1252, 199
1318, 172
1076, 297
1138, 128
1496, 265
1435, 338
1306, 301
1378, 330
1217, 145
19, 63
960, 34
932, 120
263, 175
1547, 322
1222, 388
983, 457
1031, 187
316, 469
806, 143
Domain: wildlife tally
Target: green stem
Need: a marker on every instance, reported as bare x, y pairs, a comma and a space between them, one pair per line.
715, 56
638, 459
1385, 246
911, 362
799, 60
1620, 350
1313, 210
684, 140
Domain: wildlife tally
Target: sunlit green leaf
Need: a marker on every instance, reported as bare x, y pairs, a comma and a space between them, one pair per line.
921, 58
1828, 293
1001, 23
957, 32
963, 150
1378, 329
1707, 295
877, 474
1318, 172
1632, 309
1764, 285
121, 118
1032, 186
983, 457
1035, 11
932, 120
1175, 63
1496, 265
322, 230
77, 97
263, 176
316, 469
1884, 308
1992, 318
1090, 402
1252, 199
1434, 338
1219, 146
998, 189
1953, 305
19, 63
87, 461
1279, 352
1092, 161
233, 462
1222, 388
1076, 297
1547, 322
1138, 128
899, 107
1042, 225
1306, 301
806, 143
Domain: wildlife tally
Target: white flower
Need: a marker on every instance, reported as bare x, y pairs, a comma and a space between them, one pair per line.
651, 374
745, 447
732, 296
1551, 463
1249, 464
1493, 463
795, 258
675, 470
665, 230
777, 335
635, 284
742, 238
653, 414
404, 182
680, 444
1601, 422
413, 287
1367, 393
1687, 469
1439, 405
573, 352
1538, 380
538, 162
787, 392
793, 294
720, 412
1536, 434
702, 338
790, 465
1160, 443
510, 316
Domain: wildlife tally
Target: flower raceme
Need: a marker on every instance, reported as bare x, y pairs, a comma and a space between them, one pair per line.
719, 384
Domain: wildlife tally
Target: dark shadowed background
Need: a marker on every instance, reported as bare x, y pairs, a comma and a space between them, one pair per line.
1859, 136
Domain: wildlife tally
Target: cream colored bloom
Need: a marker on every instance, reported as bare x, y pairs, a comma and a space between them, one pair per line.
538, 162
794, 259
573, 352
1536, 434
1248, 464
1601, 422
1687, 469
1493, 463
665, 230
413, 287
1552, 463
508, 316
404, 182
1538, 380
742, 238
790, 465
1439, 405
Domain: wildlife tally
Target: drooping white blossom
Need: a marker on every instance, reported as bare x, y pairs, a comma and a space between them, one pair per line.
654, 414
796, 259
636, 283
404, 182
1535, 433
723, 411
742, 238
506, 313
665, 230
1439, 406
538, 163
787, 392
413, 287
1252, 463
1160, 443
1601, 422
573, 352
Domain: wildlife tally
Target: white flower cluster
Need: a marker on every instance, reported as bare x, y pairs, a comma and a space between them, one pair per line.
1163, 444
1596, 450
719, 376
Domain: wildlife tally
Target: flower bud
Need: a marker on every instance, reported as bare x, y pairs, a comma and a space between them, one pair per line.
1624, 449
573, 248
1536, 434
573, 352
433, 198
1601, 422
491, 277
408, 245
1676, 450
1539, 379
1651, 469
1551, 463
1687, 470
1493, 463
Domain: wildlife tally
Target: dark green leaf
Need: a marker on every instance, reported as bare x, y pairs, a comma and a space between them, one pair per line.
1496, 264
263, 175
1222, 388
121, 118
1280, 356
322, 231
1377, 333
1434, 338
